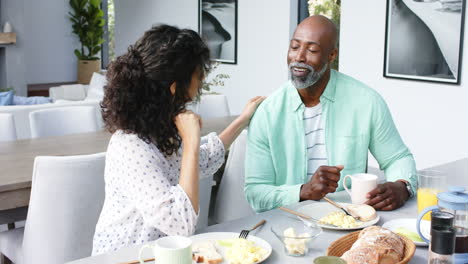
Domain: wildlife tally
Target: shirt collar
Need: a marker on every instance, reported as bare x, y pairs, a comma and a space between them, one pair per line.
328, 93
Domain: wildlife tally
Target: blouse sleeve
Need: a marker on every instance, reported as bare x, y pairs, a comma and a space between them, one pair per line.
163, 205
211, 154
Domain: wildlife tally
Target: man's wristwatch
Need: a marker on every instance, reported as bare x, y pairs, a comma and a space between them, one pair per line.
408, 188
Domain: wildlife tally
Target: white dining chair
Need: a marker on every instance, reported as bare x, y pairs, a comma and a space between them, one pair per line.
67, 195
63, 121
7, 127
230, 201
212, 106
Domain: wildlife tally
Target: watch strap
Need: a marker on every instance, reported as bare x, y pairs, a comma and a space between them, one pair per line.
408, 188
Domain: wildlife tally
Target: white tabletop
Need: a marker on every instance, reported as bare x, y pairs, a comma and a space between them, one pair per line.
274, 216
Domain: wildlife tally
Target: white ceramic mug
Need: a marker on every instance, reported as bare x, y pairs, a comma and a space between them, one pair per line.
361, 184
170, 250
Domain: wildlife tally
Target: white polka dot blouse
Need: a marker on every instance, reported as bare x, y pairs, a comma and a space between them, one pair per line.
143, 200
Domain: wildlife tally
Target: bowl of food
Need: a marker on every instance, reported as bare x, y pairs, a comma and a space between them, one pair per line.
296, 236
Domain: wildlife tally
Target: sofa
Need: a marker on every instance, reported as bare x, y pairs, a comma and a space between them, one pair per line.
62, 96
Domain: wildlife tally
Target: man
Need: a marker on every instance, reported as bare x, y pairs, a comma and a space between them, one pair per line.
319, 126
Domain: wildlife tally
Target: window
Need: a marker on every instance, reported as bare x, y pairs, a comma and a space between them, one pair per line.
108, 47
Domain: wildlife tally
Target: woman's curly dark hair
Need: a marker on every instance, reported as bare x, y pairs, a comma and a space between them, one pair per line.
137, 96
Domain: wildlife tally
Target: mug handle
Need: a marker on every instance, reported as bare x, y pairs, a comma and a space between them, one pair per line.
420, 216
345, 185
142, 261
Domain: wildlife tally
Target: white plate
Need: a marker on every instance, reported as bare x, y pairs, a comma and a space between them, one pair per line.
319, 210
410, 223
227, 235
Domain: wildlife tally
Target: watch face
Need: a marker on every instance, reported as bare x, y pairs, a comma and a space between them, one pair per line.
408, 188
410, 191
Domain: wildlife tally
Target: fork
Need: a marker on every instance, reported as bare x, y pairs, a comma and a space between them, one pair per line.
245, 233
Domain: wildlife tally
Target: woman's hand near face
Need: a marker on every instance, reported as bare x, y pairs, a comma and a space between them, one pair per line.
188, 124
250, 109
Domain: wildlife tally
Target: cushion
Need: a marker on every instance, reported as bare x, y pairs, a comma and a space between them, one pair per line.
96, 87
21, 100
63, 101
6, 98
72, 92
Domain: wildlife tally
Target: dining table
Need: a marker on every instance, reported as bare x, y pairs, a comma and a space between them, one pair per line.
17, 161
279, 217
274, 217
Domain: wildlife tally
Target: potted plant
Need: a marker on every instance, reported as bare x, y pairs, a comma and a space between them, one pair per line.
88, 25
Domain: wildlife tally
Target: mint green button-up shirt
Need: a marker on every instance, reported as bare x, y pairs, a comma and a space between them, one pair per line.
357, 120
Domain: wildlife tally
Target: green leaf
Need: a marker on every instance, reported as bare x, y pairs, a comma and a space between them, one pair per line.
87, 24
95, 3
78, 54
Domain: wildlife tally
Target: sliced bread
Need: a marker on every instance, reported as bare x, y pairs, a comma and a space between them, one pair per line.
363, 212
205, 252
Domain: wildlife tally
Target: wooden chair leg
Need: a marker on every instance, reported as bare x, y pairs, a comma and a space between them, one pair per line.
4, 259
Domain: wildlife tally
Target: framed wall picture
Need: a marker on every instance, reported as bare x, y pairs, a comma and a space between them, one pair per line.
424, 40
218, 27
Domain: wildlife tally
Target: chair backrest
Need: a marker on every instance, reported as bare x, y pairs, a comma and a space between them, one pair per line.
62, 121
213, 105
67, 195
230, 201
7, 127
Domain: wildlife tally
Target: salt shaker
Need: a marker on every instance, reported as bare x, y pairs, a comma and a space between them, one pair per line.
442, 246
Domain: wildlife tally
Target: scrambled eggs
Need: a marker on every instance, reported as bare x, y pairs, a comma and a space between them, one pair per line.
339, 219
295, 244
242, 251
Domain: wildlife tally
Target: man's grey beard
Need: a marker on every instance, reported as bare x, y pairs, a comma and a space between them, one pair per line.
310, 79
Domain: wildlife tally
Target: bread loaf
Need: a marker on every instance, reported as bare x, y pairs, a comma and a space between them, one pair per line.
371, 255
376, 245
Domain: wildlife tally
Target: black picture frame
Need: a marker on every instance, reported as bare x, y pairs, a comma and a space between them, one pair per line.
302, 10
217, 24
424, 40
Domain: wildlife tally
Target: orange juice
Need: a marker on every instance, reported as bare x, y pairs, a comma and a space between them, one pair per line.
427, 197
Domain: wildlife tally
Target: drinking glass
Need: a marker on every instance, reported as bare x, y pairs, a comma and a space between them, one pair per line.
430, 183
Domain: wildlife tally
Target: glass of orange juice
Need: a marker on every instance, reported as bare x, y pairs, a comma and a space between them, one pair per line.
430, 183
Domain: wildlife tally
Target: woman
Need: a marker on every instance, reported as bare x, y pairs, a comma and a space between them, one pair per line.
154, 157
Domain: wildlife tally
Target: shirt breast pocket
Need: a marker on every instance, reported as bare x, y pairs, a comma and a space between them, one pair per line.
351, 151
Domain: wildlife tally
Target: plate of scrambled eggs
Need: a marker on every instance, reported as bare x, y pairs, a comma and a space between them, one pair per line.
235, 250
332, 218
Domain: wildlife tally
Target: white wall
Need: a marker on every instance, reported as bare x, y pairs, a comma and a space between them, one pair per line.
133, 18
44, 49
432, 118
15, 64
264, 29
50, 43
